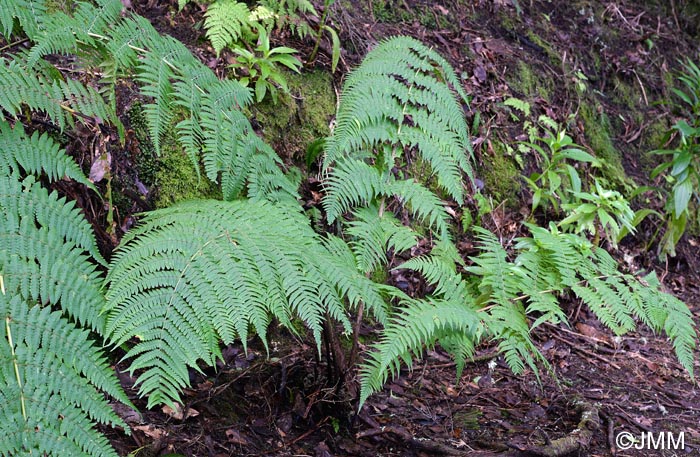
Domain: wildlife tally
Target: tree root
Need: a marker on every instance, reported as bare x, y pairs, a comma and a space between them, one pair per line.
576, 441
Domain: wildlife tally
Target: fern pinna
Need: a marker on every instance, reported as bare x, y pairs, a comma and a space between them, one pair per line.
401, 106
52, 374
199, 273
500, 297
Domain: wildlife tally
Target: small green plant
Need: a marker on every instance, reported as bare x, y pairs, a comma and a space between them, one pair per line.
600, 211
684, 162
551, 186
335, 41
259, 67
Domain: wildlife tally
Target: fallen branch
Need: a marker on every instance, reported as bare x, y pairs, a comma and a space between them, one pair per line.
576, 441
423, 444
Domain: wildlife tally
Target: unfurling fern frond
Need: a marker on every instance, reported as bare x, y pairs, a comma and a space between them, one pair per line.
203, 272
52, 376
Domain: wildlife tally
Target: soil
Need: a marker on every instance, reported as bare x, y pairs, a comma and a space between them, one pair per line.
292, 403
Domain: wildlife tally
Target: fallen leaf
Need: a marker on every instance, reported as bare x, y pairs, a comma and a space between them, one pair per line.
236, 437
151, 431
100, 167
178, 413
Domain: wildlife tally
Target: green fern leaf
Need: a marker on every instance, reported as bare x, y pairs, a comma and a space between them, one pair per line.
420, 323
201, 272
226, 21
30, 13
51, 382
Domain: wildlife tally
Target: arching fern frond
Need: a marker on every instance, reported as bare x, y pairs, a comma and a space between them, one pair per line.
64, 34
551, 263
401, 99
420, 323
52, 376
201, 272
375, 234
31, 15
61, 100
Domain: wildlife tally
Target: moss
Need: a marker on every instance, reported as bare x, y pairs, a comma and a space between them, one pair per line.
552, 54
598, 133
525, 81
501, 176
628, 97
297, 120
176, 179
171, 174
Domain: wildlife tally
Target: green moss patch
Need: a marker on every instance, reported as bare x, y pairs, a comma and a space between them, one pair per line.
501, 176
297, 120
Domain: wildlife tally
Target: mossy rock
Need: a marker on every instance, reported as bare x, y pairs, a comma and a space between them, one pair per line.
523, 80
300, 117
501, 177
171, 175
598, 134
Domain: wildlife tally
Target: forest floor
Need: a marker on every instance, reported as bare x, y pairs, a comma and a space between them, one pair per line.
598, 66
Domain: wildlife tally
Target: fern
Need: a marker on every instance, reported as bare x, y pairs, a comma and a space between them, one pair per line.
508, 294
202, 272
403, 95
65, 34
288, 13
62, 101
31, 15
420, 323
226, 21
401, 98
52, 376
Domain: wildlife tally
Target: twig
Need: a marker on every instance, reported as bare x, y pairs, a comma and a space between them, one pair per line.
588, 353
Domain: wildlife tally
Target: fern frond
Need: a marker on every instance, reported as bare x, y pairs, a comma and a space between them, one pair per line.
351, 283
31, 15
51, 382
352, 183
48, 264
201, 272
156, 72
420, 323
422, 203
64, 34
226, 21
60, 100
288, 13
404, 94
374, 234
35, 155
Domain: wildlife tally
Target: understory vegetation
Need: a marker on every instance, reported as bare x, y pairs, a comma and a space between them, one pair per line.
190, 278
